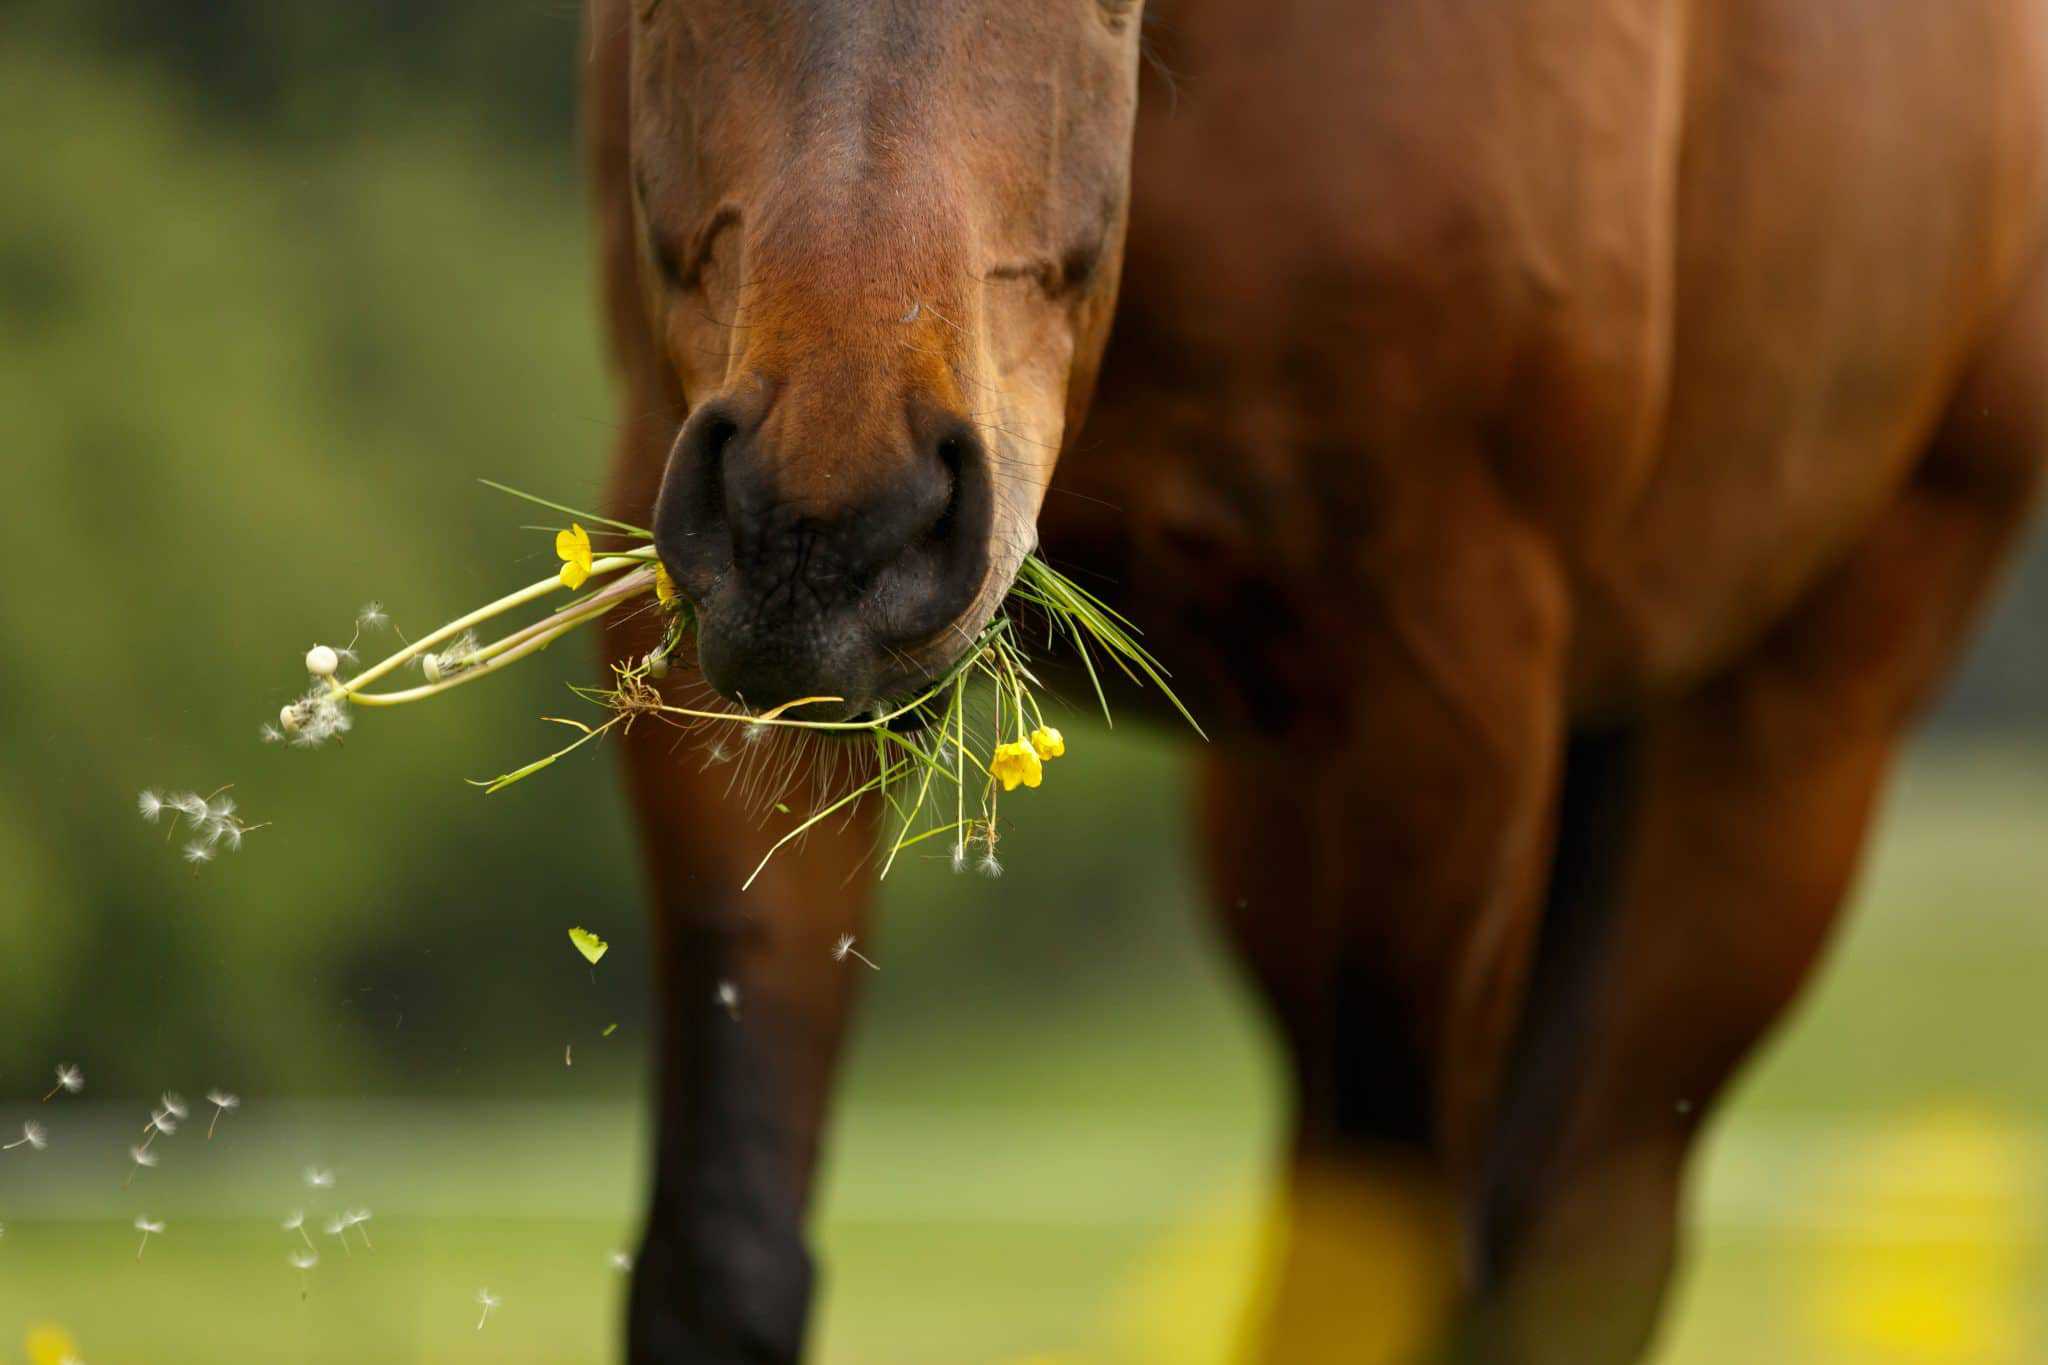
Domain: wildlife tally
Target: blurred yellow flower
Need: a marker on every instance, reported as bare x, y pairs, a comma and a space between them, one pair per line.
665, 587
48, 1344
1014, 763
1048, 742
573, 545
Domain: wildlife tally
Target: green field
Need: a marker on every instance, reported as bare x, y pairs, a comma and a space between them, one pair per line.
1078, 1184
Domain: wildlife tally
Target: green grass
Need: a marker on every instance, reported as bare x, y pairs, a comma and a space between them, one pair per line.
1076, 1179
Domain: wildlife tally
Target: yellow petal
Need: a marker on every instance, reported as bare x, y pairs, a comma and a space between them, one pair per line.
1047, 742
572, 544
574, 575
590, 945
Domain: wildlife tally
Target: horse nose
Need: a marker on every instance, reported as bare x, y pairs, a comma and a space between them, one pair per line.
816, 551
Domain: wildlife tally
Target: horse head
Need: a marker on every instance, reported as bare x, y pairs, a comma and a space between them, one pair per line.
879, 249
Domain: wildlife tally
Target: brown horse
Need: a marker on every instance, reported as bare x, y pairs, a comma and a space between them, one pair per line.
1557, 444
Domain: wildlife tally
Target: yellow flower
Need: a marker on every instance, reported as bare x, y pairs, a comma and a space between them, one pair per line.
665, 587
1013, 763
573, 545
1048, 742
49, 1344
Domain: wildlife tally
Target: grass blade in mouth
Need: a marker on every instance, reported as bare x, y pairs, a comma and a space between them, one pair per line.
978, 729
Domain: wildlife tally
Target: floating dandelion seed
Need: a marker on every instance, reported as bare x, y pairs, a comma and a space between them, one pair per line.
150, 805
297, 1223
222, 1102
621, 1261
160, 1121
319, 1178
303, 1262
174, 1104
337, 1228
372, 617
355, 1218
988, 866
143, 1159
33, 1136
196, 852
70, 1080
148, 1230
844, 949
729, 997
489, 1301
189, 804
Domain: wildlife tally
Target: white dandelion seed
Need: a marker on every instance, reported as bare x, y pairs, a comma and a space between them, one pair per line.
174, 1104
621, 1262
372, 617
988, 866
70, 1080
844, 949
150, 805
190, 804
355, 1218
303, 1262
222, 1103
959, 857
337, 1228
33, 1136
319, 1178
269, 733
297, 1223
148, 1230
489, 1301
729, 997
143, 1159
197, 852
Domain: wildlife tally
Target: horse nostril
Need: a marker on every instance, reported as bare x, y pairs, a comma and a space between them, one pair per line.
692, 516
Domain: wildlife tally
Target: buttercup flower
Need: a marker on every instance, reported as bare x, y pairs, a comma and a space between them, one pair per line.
1016, 763
573, 545
1048, 743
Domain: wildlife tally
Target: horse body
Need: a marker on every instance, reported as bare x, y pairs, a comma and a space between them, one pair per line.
1556, 446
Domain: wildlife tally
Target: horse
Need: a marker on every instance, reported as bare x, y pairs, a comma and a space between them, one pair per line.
1557, 445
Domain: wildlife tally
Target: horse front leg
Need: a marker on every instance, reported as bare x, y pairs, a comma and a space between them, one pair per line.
751, 1007
1381, 872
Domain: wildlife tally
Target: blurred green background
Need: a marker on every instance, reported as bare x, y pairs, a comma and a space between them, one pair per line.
278, 283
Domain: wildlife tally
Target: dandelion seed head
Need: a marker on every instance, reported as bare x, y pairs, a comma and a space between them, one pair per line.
187, 803
143, 1157
303, 1259
321, 661
70, 1079
355, 1218
487, 1298
295, 1222
988, 866
150, 806
221, 1099
145, 1224
198, 851
35, 1135
372, 617
336, 1226
842, 947
959, 857
174, 1104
